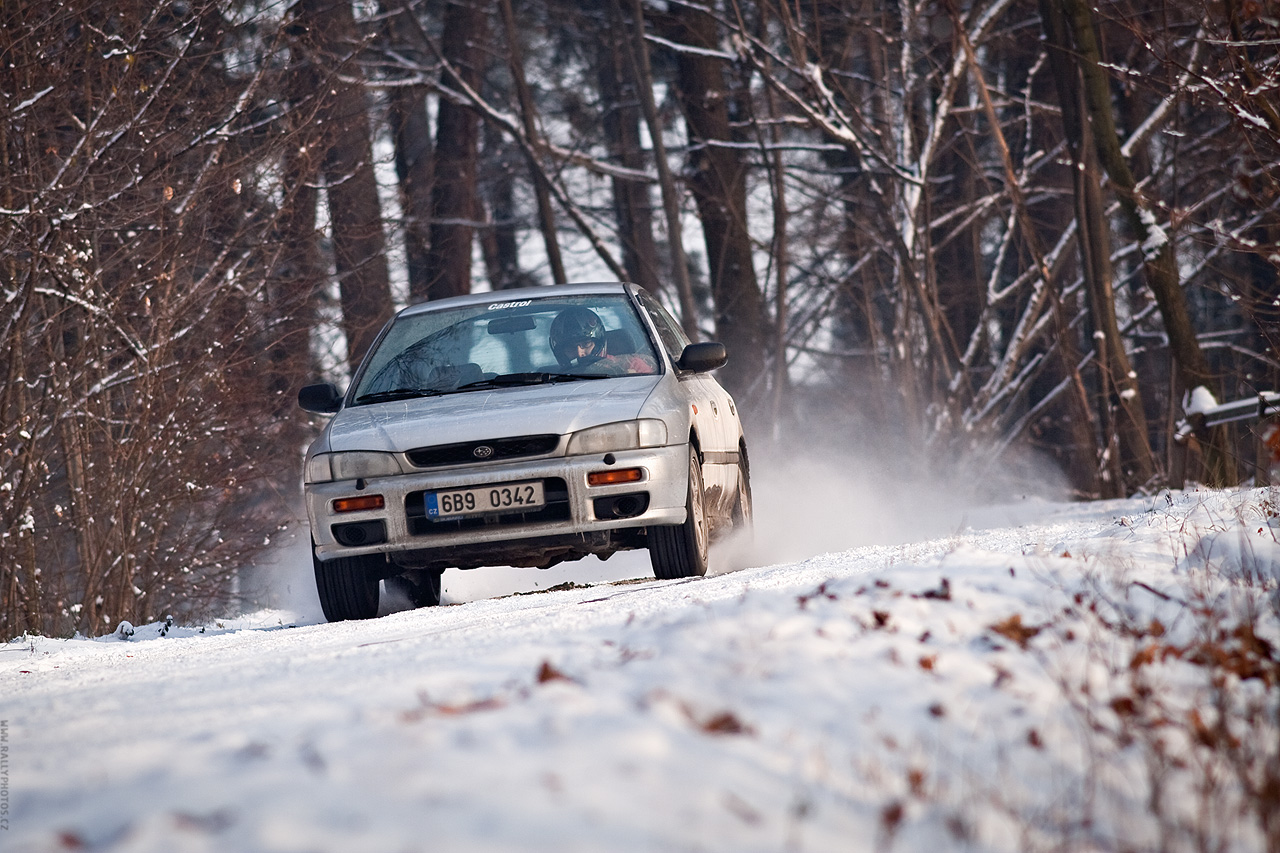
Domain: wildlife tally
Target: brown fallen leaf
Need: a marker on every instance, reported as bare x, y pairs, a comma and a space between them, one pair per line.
891, 816
1144, 656
69, 840
547, 672
1013, 629
426, 707
942, 593
724, 723
820, 592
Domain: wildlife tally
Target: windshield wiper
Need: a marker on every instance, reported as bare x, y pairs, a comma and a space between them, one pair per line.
508, 380
399, 394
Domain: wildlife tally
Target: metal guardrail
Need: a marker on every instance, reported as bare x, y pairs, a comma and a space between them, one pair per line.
1250, 408
1195, 425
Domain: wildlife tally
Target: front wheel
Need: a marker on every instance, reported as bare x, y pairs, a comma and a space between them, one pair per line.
348, 587
681, 550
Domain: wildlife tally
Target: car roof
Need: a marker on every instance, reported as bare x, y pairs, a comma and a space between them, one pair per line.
520, 294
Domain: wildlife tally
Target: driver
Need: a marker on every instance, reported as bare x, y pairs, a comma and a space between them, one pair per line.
578, 340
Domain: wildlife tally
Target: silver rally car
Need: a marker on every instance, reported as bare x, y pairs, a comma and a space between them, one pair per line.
521, 428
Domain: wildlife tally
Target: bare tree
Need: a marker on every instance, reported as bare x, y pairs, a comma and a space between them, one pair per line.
620, 119
454, 208
717, 177
905, 209
136, 426
411, 134
1120, 399
529, 118
643, 75
327, 35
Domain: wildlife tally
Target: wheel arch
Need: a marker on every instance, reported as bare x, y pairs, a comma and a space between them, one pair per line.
696, 444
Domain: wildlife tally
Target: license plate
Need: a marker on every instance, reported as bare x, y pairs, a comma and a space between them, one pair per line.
504, 497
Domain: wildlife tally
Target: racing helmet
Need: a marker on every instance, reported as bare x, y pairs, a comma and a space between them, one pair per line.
574, 326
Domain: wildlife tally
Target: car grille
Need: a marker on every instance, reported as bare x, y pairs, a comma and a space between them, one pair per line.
554, 489
471, 452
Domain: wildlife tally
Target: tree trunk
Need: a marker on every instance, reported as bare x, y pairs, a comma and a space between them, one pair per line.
453, 199
292, 293
643, 75
359, 248
1079, 417
411, 134
500, 239
299, 271
867, 299
1159, 261
1121, 399
718, 180
620, 120
528, 117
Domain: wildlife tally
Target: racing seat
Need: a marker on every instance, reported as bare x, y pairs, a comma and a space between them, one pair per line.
619, 342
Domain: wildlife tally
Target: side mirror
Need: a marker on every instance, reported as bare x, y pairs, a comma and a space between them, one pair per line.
323, 399
699, 358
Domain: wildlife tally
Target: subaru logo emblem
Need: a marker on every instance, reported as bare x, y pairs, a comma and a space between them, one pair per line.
483, 451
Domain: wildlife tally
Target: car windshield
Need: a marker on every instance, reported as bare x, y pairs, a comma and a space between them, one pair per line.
504, 343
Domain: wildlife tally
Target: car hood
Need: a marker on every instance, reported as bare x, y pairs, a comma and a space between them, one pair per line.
479, 415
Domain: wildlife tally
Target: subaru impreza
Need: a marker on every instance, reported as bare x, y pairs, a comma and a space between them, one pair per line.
521, 428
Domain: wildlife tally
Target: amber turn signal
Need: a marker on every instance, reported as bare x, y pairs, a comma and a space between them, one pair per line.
364, 502
608, 478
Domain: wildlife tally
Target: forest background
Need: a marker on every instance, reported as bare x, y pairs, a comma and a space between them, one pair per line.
986, 229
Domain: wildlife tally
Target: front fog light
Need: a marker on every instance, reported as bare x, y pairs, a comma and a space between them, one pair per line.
625, 435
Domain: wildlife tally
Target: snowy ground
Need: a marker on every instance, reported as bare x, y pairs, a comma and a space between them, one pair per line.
917, 696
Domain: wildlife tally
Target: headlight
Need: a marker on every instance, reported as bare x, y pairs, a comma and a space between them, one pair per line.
627, 435
324, 467
318, 470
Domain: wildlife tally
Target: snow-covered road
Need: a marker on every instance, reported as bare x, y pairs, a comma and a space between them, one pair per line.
867, 698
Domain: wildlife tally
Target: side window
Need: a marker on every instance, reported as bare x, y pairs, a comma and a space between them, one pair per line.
672, 336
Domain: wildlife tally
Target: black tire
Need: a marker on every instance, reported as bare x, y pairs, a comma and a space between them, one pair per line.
421, 587
681, 550
348, 587
744, 508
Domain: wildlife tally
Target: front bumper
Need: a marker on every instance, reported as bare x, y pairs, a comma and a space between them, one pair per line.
571, 508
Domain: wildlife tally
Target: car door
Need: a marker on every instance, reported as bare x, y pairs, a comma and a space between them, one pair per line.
712, 410
720, 444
